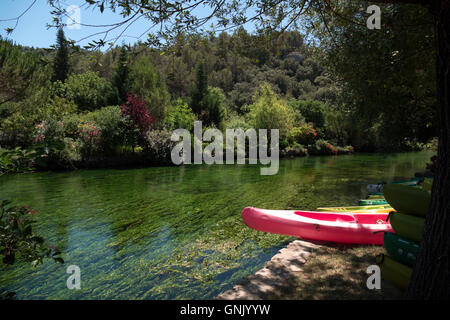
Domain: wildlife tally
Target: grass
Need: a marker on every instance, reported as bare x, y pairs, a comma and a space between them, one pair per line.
337, 272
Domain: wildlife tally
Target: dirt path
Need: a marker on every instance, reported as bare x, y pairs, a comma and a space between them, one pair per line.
275, 277
313, 271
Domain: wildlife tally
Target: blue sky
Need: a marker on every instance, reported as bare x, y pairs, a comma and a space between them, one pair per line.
32, 31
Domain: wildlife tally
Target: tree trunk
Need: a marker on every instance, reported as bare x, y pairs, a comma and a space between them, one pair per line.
430, 278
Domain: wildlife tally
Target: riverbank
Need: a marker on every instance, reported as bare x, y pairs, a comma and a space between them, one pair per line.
312, 271
30, 160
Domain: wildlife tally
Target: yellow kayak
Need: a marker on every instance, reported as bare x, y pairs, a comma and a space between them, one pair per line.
374, 209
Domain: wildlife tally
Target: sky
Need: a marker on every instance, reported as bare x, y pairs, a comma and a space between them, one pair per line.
31, 29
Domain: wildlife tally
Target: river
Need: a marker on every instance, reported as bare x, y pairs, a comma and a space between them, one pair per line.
176, 232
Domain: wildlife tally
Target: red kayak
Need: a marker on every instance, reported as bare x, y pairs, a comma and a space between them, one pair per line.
345, 227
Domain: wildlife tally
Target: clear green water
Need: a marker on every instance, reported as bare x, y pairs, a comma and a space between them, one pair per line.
176, 232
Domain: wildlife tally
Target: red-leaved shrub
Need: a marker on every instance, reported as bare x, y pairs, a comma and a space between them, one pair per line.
137, 110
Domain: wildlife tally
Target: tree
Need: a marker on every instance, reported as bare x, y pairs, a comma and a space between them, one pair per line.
214, 103
61, 62
121, 76
137, 111
393, 88
20, 72
270, 112
147, 85
200, 89
87, 90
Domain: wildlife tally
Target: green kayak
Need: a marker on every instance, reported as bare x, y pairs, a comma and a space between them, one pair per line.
410, 200
378, 187
394, 272
400, 249
374, 202
376, 197
407, 226
427, 184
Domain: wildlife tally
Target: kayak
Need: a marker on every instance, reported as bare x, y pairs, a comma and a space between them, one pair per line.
427, 184
400, 249
355, 208
358, 228
407, 226
378, 187
349, 210
376, 197
394, 272
410, 200
368, 202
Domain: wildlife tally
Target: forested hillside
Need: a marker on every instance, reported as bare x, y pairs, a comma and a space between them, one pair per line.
71, 105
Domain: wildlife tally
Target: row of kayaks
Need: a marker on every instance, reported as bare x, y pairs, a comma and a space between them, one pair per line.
402, 246
352, 224
397, 224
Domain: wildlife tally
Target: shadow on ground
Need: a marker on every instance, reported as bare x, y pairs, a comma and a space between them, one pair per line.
315, 271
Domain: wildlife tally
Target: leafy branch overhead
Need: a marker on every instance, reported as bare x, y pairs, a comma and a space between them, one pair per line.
17, 238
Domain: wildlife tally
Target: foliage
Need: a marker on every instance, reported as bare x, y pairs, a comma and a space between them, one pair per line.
87, 90
147, 84
16, 160
111, 123
61, 62
313, 111
235, 121
17, 238
20, 72
91, 139
200, 90
305, 134
296, 150
158, 146
322, 147
270, 112
53, 149
215, 109
121, 76
180, 116
140, 120
393, 87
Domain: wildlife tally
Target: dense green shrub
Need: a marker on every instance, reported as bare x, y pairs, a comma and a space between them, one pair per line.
90, 137
296, 150
312, 111
17, 239
112, 125
180, 116
305, 134
270, 112
322, 147
17, 128
215, 109
146, 83
54, 150
236, 121
16, 160
88, 90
